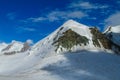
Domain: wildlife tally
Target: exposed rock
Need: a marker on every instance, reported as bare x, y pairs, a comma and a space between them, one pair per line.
98, 36
26, 46
70, 39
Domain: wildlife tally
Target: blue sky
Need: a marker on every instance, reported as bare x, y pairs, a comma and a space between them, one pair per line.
34, 19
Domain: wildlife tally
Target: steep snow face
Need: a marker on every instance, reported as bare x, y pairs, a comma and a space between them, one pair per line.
113, 33
47, 44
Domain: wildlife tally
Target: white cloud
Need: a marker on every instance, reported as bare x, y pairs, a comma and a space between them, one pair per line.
25, 29
118, 2
29, 29
63, 15
37, 19
113, 20
59, 15
92, 18
77, 14
11, 16
55, 15
86, 5
29, 41
74, 13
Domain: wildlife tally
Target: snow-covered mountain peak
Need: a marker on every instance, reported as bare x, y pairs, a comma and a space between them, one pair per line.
72, 24
75, 26
113, 29
113, 33
16, 42
71, 36
14, 47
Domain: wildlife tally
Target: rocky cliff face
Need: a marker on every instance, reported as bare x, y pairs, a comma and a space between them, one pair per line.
99, 37
69, 40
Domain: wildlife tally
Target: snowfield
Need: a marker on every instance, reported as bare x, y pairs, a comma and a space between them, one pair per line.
85, 65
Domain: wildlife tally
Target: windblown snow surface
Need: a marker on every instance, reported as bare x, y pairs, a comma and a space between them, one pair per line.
84, 65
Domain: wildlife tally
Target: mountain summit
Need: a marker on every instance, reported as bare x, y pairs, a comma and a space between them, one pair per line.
72, 23
72, 37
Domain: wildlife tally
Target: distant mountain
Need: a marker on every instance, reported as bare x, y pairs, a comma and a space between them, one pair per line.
13, 47
113, 34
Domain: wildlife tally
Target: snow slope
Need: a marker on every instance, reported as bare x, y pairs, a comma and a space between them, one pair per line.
84, 65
